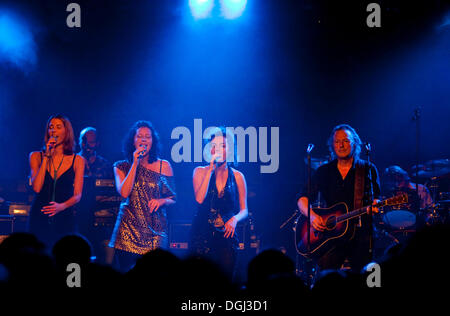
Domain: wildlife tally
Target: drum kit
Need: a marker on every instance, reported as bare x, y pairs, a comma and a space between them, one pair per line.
397, 224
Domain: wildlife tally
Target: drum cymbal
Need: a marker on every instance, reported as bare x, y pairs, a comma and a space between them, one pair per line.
419, 166
438, 164
432, 168
432, 173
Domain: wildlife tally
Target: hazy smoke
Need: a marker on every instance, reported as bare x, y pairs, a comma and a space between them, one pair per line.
17, 45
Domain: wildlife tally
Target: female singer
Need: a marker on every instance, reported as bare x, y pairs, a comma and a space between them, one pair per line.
57, 178
146, 184
221, 194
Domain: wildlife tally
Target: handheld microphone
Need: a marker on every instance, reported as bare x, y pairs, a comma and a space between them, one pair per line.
310, 148
141, 154
51, 145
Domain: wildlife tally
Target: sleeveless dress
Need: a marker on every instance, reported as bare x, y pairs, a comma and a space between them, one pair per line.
207, 234
50, 229
137, 230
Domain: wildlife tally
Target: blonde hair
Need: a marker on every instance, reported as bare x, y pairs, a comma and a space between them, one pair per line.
356, 141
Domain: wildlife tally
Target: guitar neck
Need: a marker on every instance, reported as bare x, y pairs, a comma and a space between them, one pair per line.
352, 214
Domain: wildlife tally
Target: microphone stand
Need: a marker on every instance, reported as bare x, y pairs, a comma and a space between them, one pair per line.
416, 118
309, 189
371, 198
289, 219
308, 152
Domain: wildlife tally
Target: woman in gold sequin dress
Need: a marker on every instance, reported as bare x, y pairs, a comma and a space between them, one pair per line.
146, 184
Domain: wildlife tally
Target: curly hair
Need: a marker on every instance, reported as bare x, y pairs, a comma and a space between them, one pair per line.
356, 141
69, 139
128, 143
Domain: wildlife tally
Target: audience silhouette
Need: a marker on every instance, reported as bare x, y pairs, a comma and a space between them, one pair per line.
166, 281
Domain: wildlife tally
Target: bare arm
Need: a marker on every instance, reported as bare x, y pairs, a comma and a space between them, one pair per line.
37, 173
200, 179
242, 189
230, 225
125, 182
38, 167
302, 204
316, 220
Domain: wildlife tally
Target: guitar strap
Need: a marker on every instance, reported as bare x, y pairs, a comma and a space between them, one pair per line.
359, 188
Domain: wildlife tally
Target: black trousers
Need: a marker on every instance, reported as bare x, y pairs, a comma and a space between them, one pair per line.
212, 245
355, 251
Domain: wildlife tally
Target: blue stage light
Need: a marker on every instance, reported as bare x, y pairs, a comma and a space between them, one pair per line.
232, 9
201, 9
17, 44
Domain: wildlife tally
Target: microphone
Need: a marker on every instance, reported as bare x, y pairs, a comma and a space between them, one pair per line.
368, 146
141, 154
310, 148
51, 144
417, 113
217, 163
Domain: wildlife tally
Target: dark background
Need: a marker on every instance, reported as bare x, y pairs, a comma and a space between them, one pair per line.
303, 66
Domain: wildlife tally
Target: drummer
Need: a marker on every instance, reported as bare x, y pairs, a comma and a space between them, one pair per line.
397, 179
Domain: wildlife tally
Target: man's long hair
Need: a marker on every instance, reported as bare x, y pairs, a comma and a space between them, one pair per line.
356, 141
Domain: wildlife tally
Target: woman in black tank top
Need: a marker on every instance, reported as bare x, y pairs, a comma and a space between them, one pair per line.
221, 194
57, 178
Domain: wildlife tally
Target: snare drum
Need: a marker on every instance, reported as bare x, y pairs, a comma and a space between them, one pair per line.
404, 216
399, 219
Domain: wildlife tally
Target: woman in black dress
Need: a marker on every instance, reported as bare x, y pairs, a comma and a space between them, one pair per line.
221, 194
57, 178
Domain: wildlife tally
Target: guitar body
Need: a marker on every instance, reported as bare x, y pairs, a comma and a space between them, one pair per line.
321, 242
336, 219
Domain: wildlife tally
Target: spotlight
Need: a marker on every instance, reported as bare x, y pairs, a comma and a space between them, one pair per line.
201, 9
17, 45
232, 9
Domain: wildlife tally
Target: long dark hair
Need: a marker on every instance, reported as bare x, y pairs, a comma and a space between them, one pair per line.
69, 139
128, 143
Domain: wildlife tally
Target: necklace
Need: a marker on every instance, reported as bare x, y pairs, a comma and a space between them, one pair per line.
55, 176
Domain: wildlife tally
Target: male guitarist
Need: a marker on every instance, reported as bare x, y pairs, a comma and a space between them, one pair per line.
336, 183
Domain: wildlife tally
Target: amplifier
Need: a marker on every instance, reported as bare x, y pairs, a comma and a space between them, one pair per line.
179, 235
179, 245
179, 238
19, 209
109, 183
108, 198
6, 224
